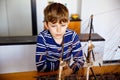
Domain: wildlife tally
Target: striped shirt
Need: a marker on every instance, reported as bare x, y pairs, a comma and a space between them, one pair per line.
48, 51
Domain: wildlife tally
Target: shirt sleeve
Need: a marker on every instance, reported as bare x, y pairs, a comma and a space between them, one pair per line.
77, 54
40, 53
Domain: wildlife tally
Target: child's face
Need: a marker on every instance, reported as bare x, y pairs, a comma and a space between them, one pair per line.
57, 30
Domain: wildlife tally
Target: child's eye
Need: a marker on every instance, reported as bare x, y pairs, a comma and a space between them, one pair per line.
53, 26
63, 25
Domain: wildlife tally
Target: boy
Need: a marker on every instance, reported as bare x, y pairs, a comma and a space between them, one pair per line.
58, 42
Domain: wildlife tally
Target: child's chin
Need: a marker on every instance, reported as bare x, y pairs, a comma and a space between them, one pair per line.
59, 37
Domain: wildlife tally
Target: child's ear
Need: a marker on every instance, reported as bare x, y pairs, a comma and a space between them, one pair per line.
45, 25
68, 22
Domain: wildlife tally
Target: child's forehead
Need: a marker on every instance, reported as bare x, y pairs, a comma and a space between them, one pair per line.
57, 22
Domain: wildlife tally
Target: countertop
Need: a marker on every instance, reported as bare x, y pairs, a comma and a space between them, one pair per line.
22, 40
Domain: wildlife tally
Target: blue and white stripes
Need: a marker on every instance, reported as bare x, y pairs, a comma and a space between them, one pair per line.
48, 51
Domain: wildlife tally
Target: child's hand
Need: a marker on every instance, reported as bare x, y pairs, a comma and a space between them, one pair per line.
67, 71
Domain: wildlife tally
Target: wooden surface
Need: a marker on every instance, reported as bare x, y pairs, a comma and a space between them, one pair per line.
101, 70
94, 37
19, 76
82, 72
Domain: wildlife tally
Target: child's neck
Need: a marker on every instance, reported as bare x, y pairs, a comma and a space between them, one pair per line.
59, 41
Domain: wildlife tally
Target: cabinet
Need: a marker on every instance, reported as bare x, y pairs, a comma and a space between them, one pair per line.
75, 25
15, 46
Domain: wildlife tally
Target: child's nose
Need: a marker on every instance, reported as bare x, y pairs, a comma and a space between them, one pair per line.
58, 29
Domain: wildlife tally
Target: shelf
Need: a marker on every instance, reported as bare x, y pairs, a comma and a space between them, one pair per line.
21, 40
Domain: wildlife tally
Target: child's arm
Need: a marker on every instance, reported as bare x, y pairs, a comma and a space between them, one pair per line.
78, 59
40, 54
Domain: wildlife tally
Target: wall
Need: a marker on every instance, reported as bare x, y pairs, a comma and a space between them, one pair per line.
3, 19
15, 18
106, 22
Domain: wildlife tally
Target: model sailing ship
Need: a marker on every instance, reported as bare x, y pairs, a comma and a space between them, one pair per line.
90, 56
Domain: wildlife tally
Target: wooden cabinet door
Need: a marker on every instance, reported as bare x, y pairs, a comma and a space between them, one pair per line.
74, 25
